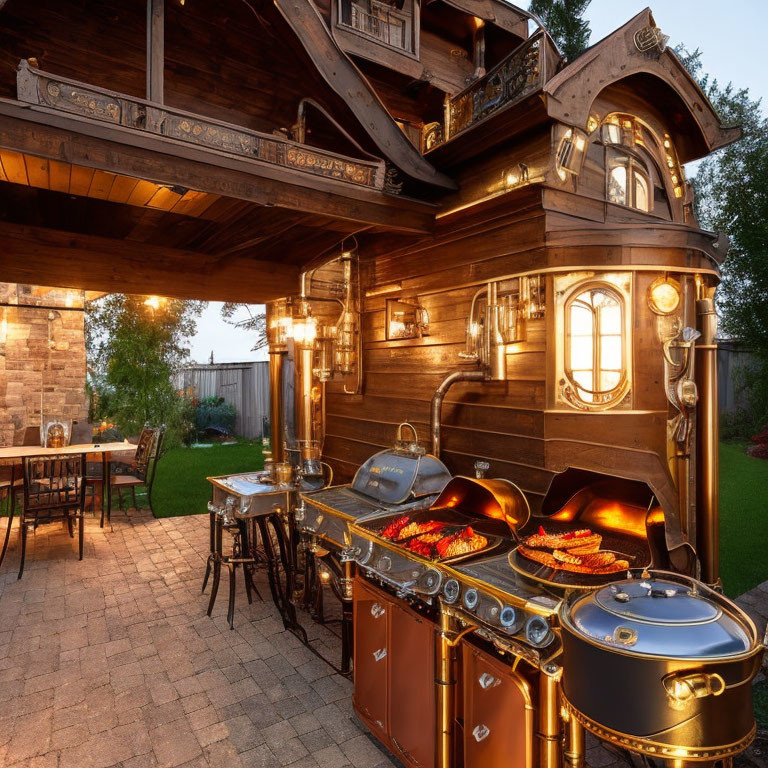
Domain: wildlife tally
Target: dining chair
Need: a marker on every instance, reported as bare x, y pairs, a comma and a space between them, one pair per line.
140, 471
54, 490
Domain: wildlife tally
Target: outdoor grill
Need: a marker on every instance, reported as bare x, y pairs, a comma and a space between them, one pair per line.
400, 480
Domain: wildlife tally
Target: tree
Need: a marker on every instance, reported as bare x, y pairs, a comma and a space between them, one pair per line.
254, 323
563, 20
731, 188
134, 349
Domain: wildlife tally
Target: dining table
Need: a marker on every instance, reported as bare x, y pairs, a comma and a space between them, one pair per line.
14, 455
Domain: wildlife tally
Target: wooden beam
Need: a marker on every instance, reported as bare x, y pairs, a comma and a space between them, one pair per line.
47, 256
92, 144
155, 50
347, 81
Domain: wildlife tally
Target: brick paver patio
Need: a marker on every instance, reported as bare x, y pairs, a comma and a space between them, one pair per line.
112, 662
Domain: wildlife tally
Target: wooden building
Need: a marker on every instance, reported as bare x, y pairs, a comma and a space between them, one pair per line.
473, 234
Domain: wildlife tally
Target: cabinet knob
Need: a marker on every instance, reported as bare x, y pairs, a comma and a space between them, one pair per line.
380, 654
487, 681
377, 610
480, 732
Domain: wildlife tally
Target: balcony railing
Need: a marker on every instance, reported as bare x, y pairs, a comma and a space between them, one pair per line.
509, 81
383, 26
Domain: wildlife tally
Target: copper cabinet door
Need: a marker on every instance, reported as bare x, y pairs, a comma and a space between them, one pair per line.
498, 717
412, 704
371, 616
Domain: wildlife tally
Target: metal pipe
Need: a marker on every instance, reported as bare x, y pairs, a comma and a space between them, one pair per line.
446, 683
550, 739
707, 438
574, 755
276, 404
304, 401
437, 402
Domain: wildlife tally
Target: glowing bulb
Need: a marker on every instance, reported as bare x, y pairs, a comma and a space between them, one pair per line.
579, 143
664, 296
153, 302
325, 576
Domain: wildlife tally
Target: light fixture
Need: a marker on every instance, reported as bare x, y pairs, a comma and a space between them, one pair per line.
571, 146
515, 176
303, 330
664, 295
153, 302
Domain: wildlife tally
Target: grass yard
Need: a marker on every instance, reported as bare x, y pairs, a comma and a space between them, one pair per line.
181, 488
743, 519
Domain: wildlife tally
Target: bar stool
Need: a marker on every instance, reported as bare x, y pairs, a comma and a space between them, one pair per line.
240, 554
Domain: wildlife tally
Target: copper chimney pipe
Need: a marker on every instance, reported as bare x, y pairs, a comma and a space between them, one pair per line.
707, 440
437, 402
275, 386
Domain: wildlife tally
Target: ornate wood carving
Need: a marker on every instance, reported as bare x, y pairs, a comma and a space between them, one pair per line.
36, 87
508, 82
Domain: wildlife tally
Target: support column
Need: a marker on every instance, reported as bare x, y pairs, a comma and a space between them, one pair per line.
446, 689
155, 49
550, 735
276, 404
707, 443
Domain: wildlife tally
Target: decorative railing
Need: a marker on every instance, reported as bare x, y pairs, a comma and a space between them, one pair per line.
383, 26
63, 95
509, 81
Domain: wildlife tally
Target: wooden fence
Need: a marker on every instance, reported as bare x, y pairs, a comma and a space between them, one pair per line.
244, 385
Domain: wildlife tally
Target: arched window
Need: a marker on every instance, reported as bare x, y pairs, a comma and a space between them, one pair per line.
628, 180
595, 347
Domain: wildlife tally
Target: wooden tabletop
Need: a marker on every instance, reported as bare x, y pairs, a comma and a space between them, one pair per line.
22, 451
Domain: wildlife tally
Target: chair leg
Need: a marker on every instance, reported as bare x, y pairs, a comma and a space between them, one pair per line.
208, 566
70, 528
80, 533
23, 533
133, 496
11, 509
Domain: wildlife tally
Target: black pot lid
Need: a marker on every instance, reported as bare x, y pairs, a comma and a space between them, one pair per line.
658, 602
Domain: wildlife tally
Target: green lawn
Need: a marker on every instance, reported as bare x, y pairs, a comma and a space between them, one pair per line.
743, 519
180, 486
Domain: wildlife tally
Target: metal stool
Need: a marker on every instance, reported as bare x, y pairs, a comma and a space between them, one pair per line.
242, 554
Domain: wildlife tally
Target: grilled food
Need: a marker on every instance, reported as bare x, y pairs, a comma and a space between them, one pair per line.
549, 559
415, 529
581, 539
461, 543
394, 528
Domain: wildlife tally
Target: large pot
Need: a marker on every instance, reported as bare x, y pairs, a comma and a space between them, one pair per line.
661, 665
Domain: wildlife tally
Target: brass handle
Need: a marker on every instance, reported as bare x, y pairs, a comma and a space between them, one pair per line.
411, 427
480, 732
380, 654
683, 689
487, 681
377, 610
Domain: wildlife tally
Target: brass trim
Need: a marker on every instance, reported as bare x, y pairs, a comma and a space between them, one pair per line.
654, 748
325, 507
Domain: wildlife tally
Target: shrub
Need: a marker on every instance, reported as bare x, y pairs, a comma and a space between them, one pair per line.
215, 412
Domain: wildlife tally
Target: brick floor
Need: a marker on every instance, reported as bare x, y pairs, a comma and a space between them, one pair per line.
112, 662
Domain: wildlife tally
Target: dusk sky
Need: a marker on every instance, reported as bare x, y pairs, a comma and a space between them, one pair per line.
731, 36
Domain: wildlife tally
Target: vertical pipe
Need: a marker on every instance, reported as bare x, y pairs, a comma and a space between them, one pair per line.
304, 400
446, 683
574, 755
276, 404
707, 439
550, 744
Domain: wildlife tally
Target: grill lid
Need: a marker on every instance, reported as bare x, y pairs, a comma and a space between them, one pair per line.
401, 473
658, 616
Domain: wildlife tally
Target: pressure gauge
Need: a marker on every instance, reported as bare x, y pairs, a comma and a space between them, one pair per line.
451, 591
430, 581
508, 616
471, 598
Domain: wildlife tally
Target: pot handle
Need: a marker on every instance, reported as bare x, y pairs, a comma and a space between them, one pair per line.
682, 689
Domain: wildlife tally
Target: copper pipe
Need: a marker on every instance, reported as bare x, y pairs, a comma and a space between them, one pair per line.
437, 402
276, 404
707, 439
446, 683
574, 755
304, 400
550, 738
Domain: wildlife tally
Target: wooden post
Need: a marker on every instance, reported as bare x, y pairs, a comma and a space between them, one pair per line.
155, 49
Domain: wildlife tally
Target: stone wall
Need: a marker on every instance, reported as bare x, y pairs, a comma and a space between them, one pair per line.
42, 349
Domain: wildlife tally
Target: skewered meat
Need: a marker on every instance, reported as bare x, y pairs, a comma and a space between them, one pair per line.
461, 543
414, 529
393, 529
582, 538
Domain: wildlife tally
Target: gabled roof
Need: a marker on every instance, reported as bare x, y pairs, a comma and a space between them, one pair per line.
618, 57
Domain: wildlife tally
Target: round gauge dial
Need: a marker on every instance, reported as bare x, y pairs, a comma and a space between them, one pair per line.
384, 564
537, 631
451, 591
471, 599
430, 581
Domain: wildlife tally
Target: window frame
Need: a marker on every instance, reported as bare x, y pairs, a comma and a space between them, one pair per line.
636, 166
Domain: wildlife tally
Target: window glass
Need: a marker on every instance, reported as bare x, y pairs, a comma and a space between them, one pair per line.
617, 185
628, 181
595, 345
